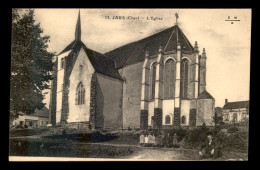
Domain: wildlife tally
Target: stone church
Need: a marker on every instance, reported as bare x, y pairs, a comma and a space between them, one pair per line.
155, 82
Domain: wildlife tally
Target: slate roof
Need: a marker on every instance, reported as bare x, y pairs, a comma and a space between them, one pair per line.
76, 44
205, 95
42, 113
101, 63
135, 52
236, 105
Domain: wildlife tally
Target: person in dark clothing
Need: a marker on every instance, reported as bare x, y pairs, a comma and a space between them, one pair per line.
168, 140
208, 148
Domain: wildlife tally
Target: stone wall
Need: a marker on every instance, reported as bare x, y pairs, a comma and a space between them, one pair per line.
52, 107
132, 95
144, 119
176, 118
157, 118
65, 93
205, 112
78, 125
109, 102
92, 117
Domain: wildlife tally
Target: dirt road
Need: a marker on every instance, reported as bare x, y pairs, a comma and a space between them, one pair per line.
156, 154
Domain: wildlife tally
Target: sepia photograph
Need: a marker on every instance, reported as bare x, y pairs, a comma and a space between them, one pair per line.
136, 84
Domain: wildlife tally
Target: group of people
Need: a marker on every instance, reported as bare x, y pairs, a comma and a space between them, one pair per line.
209, 149
147, 140
159, 140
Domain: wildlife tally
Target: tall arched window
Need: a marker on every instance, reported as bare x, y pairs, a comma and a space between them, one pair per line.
183, 119
167, 119
153, 79
184, 78
169, 76
80, 96
62, 63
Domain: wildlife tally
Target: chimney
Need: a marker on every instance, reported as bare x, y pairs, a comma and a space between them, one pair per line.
226, 101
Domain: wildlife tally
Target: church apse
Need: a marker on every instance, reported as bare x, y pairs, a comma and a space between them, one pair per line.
171, 84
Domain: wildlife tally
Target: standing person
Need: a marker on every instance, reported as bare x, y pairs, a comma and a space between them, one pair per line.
175, 141
146, 140
153, 141
158, 140
150, 139
208, 148
169, 140
142, 139
164, 140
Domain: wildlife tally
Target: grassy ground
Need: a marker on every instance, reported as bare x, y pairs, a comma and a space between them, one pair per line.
63, 148
122, 144
27, 132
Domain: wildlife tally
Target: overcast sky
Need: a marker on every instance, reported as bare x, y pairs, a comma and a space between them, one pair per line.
227, 45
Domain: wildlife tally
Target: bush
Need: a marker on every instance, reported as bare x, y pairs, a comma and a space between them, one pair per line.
232, 129
196, 137
181, 133
64, 133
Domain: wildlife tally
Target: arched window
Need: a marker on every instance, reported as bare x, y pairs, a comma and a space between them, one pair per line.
153, 79
80, 96
227, 117
167, 119
184, 78
169, 82
62, 63
183, 119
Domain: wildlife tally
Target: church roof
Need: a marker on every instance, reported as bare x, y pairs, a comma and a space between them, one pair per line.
205, 95
76, 44
236, 105
101, 63
135, 52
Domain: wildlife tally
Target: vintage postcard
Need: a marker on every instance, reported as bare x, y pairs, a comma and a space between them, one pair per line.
130, 84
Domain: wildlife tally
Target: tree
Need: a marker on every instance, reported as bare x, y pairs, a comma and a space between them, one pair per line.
31, 63
218, 119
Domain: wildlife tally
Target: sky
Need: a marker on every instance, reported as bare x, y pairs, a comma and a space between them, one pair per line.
227, 45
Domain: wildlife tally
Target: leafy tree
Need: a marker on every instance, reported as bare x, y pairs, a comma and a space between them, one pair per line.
31, 63
218, 119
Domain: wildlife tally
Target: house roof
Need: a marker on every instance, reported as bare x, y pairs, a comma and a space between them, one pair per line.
236, 105
101, 63
135, 52
42, 113
205, 95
